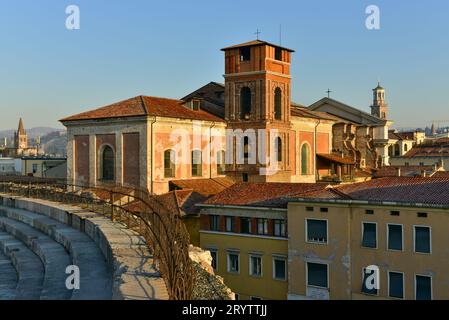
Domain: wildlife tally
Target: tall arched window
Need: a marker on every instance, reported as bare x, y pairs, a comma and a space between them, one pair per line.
278, 104
220, 162
245, 103
169, 163
305, 159
197, 163
107, 164
278, 145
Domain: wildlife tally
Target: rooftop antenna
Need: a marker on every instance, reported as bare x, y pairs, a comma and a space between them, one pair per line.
257, 34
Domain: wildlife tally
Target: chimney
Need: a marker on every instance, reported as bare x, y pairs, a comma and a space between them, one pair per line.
398, 172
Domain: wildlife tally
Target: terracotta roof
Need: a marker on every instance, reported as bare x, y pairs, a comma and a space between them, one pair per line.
336, 158
181, 202
303, 112
400, 135
441, 174
145, 106
255, 43
430, 190
264, 194
205, 187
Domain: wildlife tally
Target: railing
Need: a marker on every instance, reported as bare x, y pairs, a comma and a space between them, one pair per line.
163, 230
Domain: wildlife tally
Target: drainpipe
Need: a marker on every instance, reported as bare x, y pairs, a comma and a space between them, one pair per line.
210, 149
152, 154
315, 149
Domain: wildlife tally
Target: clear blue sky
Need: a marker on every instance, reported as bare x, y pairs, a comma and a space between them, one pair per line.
169, 48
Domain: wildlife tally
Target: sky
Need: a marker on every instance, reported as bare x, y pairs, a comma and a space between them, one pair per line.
170, 48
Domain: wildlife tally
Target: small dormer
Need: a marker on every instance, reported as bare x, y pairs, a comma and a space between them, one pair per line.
194, 104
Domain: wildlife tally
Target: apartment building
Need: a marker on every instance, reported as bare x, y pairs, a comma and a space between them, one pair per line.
245, 229
397, 225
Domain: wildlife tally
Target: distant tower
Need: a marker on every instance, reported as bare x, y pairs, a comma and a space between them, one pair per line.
433, 130
20, 137
380, 107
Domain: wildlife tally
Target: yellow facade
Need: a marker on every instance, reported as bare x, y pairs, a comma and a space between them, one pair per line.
242, 283
346, 257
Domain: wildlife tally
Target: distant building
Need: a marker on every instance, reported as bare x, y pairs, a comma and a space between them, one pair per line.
432, 152
10, 166
44, 167
21, 147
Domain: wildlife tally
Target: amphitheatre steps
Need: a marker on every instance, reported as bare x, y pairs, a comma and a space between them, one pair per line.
29, 267
39, 239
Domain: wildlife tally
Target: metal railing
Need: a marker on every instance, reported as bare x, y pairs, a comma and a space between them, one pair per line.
161, 227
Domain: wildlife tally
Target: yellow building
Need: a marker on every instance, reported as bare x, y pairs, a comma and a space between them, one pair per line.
398, 225
245, 229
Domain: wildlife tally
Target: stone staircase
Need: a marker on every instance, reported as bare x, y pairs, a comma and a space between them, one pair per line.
39, 239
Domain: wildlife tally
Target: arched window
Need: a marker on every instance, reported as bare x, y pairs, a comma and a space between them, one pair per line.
245, 103
169, 163
278, 145
197, 163
278, 104
107, 164
220, 162
305, 159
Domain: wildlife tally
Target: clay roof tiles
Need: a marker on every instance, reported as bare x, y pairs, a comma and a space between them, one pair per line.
144, 106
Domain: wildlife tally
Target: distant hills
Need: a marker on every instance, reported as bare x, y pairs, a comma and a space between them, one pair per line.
33, 133
53, 141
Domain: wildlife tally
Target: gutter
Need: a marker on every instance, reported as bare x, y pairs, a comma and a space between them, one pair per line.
369, 202
315, 149
210, 149
152, 155
222, 206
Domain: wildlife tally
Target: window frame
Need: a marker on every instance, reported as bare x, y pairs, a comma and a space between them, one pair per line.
250, 265
214, 250
249, 225
265, 223
307, 231
172, 163
228, 258
280, 258
430, 239
402, 237
211, 222
281, 222
431, 284
198, 166
388, 284
377, 235
232, 223
307, 275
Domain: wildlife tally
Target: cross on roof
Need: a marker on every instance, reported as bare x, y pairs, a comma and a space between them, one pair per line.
257, 33
328, 93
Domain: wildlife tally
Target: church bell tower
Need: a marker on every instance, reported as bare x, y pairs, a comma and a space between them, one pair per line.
380, 107
258, 98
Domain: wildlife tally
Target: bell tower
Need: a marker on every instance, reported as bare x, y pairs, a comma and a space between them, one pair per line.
380, 107
258, 99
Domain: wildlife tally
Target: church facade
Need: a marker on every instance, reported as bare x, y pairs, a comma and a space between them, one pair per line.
247, 129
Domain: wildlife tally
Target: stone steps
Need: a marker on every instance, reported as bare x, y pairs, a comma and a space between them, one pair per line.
30, 270
53, 256
132, 273
95, 274
8, 278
